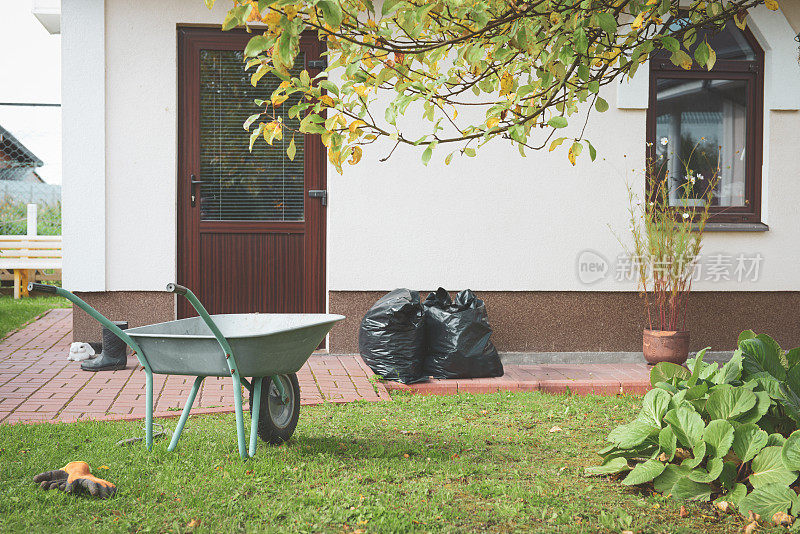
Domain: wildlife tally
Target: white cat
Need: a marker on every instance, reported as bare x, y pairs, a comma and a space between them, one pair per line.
79, 352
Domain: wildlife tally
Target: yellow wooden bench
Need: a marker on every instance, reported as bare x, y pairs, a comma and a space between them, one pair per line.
26, 258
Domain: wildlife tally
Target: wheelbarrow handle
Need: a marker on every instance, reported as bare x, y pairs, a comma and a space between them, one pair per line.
44, 288
117, 331
177, 289
203, 313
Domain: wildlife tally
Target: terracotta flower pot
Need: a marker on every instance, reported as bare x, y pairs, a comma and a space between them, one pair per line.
665, 346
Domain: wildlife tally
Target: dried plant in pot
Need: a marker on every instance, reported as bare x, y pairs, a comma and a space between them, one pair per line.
667, 230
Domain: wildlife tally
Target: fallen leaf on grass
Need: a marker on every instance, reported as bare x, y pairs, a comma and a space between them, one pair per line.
556, 429
782, 519
750, 528
684, 512
194, 523
723, 506
753, 518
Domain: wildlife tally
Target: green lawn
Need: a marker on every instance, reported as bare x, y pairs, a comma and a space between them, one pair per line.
16, 313
438, 464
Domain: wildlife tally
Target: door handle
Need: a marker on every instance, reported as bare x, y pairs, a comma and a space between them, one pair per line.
193, 181
319, 193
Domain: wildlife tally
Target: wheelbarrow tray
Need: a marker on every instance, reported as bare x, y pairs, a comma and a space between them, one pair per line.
265, 344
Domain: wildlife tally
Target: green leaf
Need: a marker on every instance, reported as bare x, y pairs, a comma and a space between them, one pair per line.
710, 474
698, 455
644, 472
790, 451
736, 494
291, 150
600, 104
731, 371
632, 434
427, 153
768, 469
726, 402
666, 371
701, 54
250, 120
671, 475
607, 23
654, 405
581, 41
331, 12
688, 489
718, 435
793, 357
592, 151
729, 473
746, 334
389, 6
686, 424
758, 411
256, 45
670, 43
615, 465
667, 442
779, 441
758, 356
748, 440
558, 122
767, 500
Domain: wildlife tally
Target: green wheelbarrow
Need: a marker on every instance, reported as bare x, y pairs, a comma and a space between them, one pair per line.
271, 346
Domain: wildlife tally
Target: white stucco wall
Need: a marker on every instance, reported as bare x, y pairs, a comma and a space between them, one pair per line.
495, 222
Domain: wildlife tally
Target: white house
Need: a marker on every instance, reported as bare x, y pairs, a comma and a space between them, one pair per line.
150, 144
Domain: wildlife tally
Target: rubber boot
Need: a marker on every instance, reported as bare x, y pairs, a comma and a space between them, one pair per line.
114, 356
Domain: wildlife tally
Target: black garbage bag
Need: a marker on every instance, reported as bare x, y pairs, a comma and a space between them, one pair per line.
391, 339
457, 337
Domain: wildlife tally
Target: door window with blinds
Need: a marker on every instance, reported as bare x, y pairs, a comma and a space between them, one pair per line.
237, 184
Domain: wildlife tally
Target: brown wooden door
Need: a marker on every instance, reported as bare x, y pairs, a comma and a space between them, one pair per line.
250, 239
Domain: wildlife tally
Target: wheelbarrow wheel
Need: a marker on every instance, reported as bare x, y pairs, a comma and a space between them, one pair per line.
278, 419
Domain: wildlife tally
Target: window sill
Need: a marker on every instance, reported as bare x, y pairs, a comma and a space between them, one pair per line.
735, 227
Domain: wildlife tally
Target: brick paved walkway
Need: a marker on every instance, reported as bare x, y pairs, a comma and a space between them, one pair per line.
37, 383
581, 379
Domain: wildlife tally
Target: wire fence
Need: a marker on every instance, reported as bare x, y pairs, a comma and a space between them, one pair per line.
14, 219
28, 192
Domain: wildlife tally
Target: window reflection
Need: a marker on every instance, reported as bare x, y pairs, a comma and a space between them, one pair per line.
701, 131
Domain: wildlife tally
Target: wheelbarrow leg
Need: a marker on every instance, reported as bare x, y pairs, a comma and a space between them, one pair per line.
185, 414
237, 399
148, 416
255, 410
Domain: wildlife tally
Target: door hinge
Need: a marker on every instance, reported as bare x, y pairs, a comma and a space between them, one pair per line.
318, 64
319, 193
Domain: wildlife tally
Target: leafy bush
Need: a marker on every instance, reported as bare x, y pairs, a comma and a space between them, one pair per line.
727, 432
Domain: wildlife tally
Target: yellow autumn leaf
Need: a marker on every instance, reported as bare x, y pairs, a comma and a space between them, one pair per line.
771, 4
362, 91
355, 125
637, 23
506, 83
271, 19
291, 11
279, 99
328, 101
355, 157
492, 122
284, 84
273, 130
291, 150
